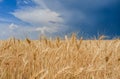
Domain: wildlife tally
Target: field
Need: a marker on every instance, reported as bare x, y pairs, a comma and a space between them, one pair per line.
70, 58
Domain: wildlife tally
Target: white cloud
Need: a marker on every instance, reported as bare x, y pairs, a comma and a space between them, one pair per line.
21, 31
13, 26
19, 2
40, 17
40, 3
26, 2
5, 31
46, 29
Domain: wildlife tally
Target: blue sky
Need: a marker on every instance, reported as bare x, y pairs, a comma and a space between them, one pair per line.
21, 18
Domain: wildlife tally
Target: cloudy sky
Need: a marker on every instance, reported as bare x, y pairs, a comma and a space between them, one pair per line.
31, 18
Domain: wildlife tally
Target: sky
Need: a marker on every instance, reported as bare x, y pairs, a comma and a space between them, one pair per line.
32, 18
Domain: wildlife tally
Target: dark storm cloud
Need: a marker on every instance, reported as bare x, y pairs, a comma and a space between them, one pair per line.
93, 16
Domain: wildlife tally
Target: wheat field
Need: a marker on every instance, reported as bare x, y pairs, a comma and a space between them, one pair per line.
70, 58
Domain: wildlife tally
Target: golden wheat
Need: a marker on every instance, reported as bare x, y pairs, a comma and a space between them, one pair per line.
71, 58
